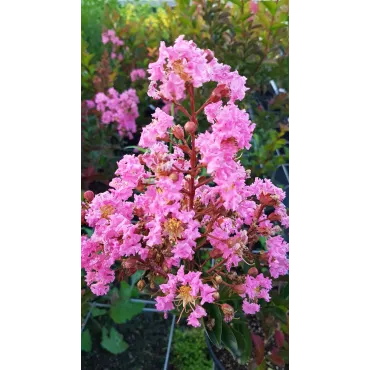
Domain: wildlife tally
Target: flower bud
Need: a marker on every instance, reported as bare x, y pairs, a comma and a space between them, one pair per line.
130, 263
140, 186
178, 132
174, 176
274, 217
221, 91
141, 160
269, 200
140, 284
253, 271
165, 138
165, 268
89, 195
216, 296
209, 55
190, 127
239, 288
264, 257
228, 312
218, 279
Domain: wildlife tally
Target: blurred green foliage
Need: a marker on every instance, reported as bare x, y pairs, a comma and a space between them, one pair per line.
189, 351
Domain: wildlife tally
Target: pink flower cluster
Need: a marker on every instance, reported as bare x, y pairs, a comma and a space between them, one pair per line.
120, 108
186, 63
110, 36
184, 290
255, 288
186, 192
277, 256
137, 74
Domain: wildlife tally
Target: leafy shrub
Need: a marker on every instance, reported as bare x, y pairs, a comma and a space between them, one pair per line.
190, 350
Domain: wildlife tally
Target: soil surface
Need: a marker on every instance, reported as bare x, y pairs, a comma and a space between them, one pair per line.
147, 336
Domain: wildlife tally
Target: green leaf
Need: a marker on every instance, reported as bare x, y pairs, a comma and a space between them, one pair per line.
262, 366
125, 290
98, 312
122, 311
244, 339
214, 334
278, 312
136, 147
242, 347
229, 341
285, 291
113, 343
136, 276
87, 230
86, 343
270, 6
237, 2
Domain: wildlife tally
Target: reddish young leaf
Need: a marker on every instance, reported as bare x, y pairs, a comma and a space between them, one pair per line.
279, 338
275, 358
259, 347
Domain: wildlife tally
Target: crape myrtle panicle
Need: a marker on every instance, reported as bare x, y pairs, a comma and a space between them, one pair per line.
117, 108
188, 192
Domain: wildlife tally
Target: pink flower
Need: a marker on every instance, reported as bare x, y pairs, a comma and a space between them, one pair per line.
105, 38
207, 294
137, 74
156, 129
119, 108
185, 62
257, 287
250, 308
90, 104
277, 256
265, 186
253, 6
194, 317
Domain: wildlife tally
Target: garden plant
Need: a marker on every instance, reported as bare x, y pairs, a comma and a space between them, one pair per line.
203, 235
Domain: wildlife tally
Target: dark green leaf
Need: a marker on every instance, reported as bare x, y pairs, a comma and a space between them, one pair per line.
113, 343
136, 147
214, 313
244, 339
229, 341
122, 311
86, 344
98, 312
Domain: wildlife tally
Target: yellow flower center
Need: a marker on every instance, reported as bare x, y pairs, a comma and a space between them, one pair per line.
106, 210
174, 228
185, 295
